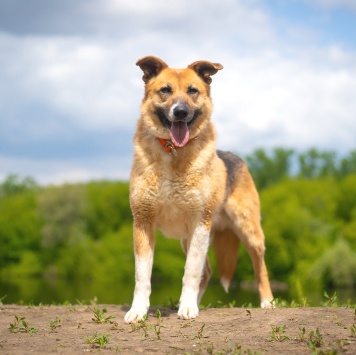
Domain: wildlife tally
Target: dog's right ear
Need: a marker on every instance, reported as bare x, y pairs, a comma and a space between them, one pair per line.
151, 67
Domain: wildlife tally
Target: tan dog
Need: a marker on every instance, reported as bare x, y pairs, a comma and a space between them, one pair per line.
181, 185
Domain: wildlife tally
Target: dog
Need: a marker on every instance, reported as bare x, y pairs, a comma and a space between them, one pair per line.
181, 185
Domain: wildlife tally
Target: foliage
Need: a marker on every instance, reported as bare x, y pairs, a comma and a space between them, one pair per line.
62, 211
267, 169
108, 208
271, 167
19, 226
336, 266
296, 217
14, 185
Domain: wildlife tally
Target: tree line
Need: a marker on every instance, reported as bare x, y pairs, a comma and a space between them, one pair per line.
308, 203
269, 167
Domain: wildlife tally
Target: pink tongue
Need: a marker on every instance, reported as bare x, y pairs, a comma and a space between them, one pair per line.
179, 133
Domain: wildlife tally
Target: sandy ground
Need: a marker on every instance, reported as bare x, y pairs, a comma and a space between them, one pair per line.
71, 329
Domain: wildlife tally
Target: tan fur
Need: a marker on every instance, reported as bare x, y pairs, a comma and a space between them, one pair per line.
226, 247
179, 194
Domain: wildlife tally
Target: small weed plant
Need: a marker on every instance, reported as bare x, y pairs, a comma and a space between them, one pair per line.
142, 324
187, 324
200, 334
171, 304
98, 341
331, 301
157, 327
100, 315
301, 336
315, 339
145, 326
55, 323
342, 343
278, 333
21, 325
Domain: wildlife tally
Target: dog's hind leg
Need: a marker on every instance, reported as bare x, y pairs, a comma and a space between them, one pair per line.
247, 225
226, 245
207, 272
256, 249
204, 279
243, 209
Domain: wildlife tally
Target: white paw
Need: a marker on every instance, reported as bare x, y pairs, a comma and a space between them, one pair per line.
134, 315
267, 304
188, 311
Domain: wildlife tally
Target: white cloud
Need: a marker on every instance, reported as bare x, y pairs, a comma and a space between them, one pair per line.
286, 101
77, 77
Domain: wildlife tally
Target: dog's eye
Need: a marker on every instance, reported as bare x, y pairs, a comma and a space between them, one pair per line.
166, 90
192, 91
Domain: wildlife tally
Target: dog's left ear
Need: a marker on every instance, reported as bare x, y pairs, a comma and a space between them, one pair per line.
205, 69
151, 67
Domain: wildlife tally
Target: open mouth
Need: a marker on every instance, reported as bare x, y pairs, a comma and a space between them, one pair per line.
178, 130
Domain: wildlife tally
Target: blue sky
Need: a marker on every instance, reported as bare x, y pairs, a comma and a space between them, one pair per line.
70, 91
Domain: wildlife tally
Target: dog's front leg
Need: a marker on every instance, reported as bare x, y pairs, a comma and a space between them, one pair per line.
144, 241
197, 252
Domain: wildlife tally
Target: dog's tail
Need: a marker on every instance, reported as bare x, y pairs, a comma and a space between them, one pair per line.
226, 245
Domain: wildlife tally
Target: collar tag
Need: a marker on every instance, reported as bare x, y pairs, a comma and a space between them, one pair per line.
169, 147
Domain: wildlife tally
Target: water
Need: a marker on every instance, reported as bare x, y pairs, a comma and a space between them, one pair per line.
59, 291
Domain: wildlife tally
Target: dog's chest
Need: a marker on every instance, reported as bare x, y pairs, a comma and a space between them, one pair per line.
182, 194
179, 204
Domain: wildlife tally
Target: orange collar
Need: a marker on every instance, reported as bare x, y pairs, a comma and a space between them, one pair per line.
169, 147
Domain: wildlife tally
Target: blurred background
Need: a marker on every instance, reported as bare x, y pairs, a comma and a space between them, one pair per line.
70, 97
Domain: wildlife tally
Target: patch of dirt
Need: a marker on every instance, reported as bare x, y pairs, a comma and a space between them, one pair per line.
222, 330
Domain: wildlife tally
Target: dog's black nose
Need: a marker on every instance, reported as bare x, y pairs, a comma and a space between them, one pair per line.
180, 112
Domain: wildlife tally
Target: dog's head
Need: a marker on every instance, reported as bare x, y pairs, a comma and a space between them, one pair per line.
177, 102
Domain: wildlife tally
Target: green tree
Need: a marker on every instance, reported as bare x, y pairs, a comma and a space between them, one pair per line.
314, 163
14, 184
346, 209
108, 207
62, 210
19, 227
297, 217
337, 266
347, 165
267, 169
346, 198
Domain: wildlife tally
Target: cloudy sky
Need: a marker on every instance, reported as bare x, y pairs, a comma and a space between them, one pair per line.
70, 91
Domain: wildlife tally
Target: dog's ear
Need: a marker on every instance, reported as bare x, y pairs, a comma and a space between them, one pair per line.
151, 67
205, 69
